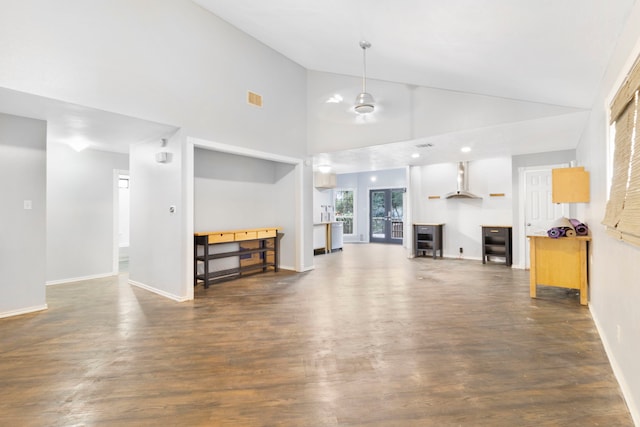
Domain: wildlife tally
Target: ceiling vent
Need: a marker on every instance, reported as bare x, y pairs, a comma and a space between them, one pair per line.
254, 99
462, 188
425, 145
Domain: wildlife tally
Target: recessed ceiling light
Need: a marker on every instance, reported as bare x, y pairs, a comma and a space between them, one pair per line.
373, 178
78, 143
335, 99
415, 155
465, 149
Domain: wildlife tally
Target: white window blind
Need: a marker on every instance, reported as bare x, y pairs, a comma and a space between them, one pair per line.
622, 215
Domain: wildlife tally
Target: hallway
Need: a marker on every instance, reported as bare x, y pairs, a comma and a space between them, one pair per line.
368, 338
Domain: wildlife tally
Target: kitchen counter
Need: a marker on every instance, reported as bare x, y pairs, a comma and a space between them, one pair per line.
323, 239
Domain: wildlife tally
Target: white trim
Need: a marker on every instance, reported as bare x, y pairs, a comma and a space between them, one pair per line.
79, 279
299, 197
241, 151
188, 203
354, 225
617, 371
115, 223
158, 291
116, 219
407, 231
309, 268
25, 310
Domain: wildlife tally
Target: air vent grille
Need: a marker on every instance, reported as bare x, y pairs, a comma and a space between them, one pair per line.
254, 99
425, 145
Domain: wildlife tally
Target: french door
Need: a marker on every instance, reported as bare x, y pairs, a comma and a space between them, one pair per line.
385, 215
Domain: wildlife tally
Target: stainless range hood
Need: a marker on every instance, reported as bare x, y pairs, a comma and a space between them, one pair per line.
462, 191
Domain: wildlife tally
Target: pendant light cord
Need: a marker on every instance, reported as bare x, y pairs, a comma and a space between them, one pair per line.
364, 68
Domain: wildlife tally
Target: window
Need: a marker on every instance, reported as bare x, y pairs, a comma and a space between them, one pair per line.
622, 216
345, 209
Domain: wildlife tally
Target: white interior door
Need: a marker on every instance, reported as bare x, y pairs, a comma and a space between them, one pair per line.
539, 212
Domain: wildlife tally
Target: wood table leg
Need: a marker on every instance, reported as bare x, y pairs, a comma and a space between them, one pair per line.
584, 286
532, 269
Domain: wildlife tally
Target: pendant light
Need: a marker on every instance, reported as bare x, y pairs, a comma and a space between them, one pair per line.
364, 100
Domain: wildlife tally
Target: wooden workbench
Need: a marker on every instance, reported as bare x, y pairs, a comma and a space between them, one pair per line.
560, 262
248, 250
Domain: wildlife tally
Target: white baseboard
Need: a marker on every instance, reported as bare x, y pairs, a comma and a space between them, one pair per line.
25, 310
617, 372
78, 279
158, 291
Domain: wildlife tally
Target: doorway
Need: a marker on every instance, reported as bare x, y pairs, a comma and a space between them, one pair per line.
121, 222
539, 213
386, 212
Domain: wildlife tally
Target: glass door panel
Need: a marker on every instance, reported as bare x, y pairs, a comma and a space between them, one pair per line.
378, 214
386, 211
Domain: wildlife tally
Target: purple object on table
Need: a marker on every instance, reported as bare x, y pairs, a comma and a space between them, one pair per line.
555, 232
581, 229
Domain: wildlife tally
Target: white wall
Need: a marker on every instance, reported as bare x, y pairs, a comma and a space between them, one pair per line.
168, 61
322, 197
463, 218
614, 268
22, 231
361, 182
235, 192
80, 212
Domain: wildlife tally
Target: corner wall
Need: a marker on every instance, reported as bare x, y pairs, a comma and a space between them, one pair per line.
613, 266
22, 231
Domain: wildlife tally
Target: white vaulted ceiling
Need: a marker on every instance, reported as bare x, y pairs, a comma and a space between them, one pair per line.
550, 54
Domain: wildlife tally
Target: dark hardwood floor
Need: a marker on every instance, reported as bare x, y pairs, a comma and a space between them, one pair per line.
369, 338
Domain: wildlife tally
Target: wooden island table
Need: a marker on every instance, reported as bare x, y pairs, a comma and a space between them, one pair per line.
560, 262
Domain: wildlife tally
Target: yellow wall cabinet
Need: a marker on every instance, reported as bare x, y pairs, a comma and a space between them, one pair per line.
570, 185
559, 262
